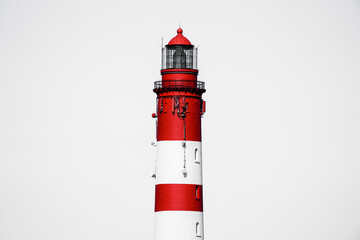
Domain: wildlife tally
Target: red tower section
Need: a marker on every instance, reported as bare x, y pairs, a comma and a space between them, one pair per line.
179, 102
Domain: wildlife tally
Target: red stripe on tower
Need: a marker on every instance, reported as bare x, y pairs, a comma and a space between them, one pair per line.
179, 118
178, 197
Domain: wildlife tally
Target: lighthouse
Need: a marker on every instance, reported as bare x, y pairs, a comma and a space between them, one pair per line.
178, 171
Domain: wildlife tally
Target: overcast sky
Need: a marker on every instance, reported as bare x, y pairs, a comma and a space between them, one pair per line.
281, 135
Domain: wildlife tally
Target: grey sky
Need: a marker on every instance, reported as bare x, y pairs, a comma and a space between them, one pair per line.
281, 135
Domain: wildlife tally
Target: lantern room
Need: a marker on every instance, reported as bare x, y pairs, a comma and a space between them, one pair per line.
179, 53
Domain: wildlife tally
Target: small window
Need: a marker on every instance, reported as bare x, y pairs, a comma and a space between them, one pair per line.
197, 157
197, 193
198, 230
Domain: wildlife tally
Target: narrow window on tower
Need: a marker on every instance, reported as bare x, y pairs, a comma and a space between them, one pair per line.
197, 193
198, 231
157, 106
161, 105
197, 157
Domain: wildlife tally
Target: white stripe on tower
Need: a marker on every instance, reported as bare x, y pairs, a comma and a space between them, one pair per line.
178, 225
173, 156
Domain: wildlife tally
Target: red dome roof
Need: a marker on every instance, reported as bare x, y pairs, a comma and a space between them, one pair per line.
179, 39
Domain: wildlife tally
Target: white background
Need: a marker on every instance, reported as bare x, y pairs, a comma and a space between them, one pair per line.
281, 136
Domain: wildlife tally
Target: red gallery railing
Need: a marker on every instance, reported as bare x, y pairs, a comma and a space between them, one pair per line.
179, 84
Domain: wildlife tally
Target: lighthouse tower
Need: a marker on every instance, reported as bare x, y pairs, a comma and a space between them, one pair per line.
178, 174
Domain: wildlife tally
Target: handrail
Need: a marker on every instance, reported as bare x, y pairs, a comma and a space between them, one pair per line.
179, 84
